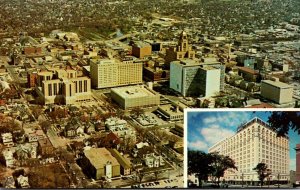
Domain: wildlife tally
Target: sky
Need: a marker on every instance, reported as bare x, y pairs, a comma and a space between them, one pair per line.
207, 128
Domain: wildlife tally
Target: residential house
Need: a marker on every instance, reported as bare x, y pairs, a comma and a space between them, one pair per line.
7, 139
153, 161
149, 157
111, 140
35, 135
25, 151
45, 147
119, 127
73, 128
89, 129
9, 183
8, 155
23, 182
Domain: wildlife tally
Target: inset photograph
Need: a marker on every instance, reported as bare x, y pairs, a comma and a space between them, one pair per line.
243, 149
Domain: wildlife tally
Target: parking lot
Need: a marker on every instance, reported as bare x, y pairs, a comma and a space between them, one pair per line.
165, 183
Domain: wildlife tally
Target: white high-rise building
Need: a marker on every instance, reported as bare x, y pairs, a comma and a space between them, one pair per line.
193, 79
255, 142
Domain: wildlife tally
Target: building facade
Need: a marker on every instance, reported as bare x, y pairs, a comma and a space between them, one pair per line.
276, 91
255, 142
141, 49
63, 87
99, 162
135, 96
107, 73
193, 79
31, 79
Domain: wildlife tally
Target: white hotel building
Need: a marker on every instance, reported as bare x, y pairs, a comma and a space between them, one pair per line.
255, 142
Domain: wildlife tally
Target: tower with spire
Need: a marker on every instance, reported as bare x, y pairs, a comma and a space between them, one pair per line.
181, 51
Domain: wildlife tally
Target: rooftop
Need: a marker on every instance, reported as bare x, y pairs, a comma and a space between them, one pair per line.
103, 61
44, 142
186, 61
277, 84
99, 157
133, 92
140, 44
171, 110
123, 161
248, 70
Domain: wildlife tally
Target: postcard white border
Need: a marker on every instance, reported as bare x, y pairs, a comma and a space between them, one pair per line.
185, 175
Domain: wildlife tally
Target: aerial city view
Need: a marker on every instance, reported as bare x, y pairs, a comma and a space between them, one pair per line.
93, 93
250, 149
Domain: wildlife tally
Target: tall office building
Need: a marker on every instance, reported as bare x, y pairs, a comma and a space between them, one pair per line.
219, 65
255, 142
107, 73
193, 79
183, 50
298, 163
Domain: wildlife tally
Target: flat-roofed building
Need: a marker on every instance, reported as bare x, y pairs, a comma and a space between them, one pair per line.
190, 78
135, 96
141, 49
99, 162
276, 91
170, 112
248, 74
255, 142
124, 163
107, 73
178, 129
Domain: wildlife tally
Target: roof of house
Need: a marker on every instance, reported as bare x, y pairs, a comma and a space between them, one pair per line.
44, 142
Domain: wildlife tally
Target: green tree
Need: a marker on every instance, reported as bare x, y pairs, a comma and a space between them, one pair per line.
220, 164
283, 121
262, 171
199, 163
